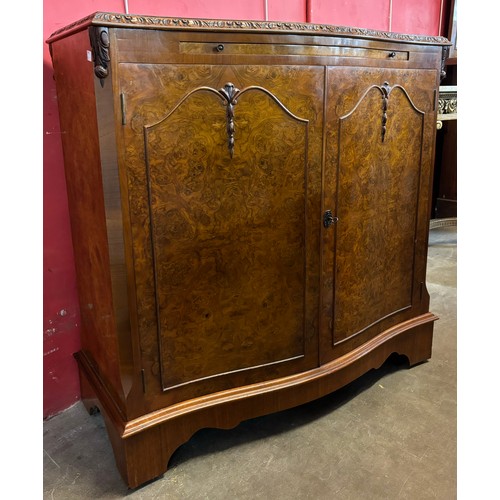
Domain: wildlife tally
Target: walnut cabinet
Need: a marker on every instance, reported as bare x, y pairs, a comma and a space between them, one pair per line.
250, 205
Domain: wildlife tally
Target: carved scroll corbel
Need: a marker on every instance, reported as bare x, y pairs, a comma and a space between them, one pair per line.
444, 57
99, 41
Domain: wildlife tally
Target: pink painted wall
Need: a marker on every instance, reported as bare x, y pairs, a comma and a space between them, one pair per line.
420, 17
361, 13
60, 312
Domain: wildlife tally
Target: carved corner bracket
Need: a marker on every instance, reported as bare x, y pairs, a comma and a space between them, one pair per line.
444, 57
99, 41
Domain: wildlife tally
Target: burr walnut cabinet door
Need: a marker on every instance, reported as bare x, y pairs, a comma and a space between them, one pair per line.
222, 203
379, 144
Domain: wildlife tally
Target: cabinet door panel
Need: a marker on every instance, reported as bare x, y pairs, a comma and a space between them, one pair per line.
376, 177
221, 233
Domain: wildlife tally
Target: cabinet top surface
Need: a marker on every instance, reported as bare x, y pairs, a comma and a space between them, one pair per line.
222, 25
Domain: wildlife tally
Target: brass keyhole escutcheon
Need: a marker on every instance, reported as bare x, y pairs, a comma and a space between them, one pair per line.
329, 219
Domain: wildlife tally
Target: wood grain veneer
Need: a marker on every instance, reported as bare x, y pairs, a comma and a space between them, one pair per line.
250, 207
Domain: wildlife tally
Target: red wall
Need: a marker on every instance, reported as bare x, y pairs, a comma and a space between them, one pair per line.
60, 309
420, 17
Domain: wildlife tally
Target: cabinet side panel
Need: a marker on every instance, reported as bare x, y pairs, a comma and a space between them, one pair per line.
76, 100
116, 208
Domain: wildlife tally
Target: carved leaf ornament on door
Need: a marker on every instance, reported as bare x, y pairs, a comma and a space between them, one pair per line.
386, 90
229, 94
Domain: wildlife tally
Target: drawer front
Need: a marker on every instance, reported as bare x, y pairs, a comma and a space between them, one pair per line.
150, 46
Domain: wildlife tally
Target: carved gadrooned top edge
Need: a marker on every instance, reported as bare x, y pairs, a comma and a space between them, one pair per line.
153, 22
